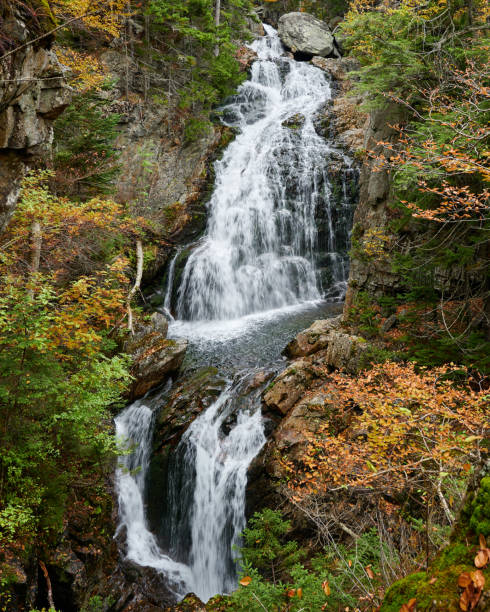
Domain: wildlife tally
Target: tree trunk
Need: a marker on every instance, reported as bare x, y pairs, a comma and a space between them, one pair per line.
137, 282
217, 13
36, 242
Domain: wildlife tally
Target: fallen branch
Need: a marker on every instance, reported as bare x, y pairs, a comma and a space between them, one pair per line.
48, 583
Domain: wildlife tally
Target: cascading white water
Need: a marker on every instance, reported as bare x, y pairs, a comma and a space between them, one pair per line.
217, 459
260, 245
134, 429
260, 252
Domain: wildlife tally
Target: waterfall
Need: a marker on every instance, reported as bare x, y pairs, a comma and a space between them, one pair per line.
260, 248
213, 456
277, 237
134, 429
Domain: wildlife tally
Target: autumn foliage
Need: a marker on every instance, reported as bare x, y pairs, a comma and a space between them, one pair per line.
402, 429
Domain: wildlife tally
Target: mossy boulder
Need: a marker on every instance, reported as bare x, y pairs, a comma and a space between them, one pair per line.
437, 589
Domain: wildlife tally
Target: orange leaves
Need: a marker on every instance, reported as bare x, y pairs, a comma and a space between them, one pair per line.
474, 582
409, 425
245, 581
483, 555
410, 606
326, 588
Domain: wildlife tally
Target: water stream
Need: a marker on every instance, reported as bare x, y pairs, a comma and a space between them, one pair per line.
275, 247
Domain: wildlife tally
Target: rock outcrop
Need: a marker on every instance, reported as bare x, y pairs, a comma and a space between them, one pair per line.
340, 350
33, 92
297, 401
306, 35
155, 357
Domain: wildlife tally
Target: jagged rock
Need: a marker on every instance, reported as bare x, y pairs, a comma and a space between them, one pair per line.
245, 56
154, 359
339, 349
33, 92
305, 34
338, 67
289, 386
313, 339
191, 603
294, 122
188, 398
145, 589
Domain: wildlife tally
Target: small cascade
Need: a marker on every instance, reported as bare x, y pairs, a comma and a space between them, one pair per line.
206, 491
134, 428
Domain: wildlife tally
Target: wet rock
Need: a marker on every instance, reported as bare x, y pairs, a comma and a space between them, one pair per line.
187, 400
302, 33
294, 122
147, 589
154, 358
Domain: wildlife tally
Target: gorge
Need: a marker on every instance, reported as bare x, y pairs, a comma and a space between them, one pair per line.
275, 247
244, 306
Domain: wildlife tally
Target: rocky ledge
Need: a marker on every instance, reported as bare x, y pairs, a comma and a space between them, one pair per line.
155, 357
296, 402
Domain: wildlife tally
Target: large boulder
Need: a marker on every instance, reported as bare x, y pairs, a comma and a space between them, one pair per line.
304, 34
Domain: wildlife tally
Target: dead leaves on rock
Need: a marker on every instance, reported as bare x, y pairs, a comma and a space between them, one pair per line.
473, 582
410, 606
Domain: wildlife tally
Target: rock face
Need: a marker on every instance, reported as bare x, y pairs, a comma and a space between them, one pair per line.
298, 397
33, 92
155, 357
305, 34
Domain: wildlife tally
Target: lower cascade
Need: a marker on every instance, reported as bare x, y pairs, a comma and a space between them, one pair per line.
277, 239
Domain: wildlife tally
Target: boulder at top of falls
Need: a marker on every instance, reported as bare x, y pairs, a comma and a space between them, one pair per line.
303, 33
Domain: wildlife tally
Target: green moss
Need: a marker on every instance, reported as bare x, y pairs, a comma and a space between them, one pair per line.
480, 509
453, 554
401, 592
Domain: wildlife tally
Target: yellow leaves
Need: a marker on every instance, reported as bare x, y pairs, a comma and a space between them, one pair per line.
106, 16
87, 71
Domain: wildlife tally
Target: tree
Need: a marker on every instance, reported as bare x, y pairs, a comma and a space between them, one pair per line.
61, 307
402, 437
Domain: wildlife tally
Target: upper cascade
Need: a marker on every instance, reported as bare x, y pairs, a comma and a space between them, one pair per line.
260, 248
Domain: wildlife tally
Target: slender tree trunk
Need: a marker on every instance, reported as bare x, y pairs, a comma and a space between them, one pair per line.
137, 282
36, 242
217, 13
